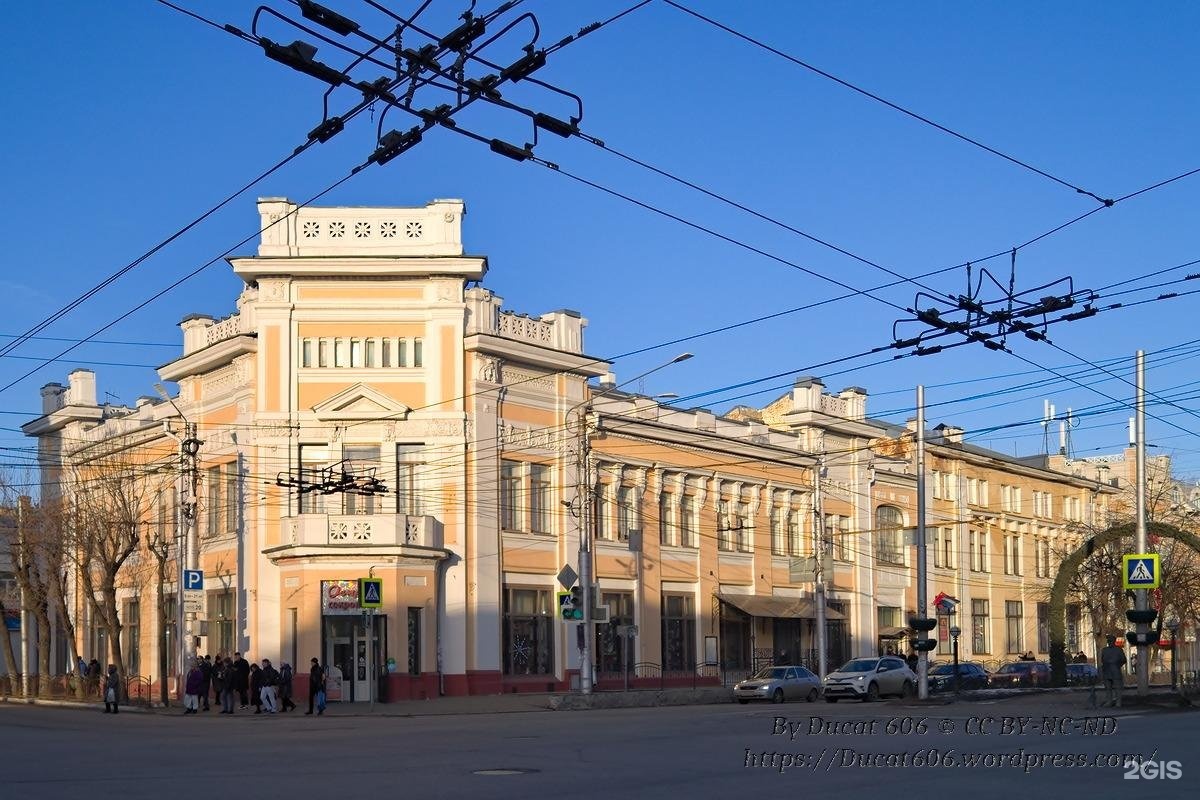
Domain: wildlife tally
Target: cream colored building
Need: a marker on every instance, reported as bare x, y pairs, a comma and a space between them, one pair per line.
364, 346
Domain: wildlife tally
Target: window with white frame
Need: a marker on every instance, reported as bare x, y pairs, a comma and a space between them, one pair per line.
838, 532
511, 512
362, 462
936, 484
668, 532
1042, 557
688, 522
314, 460
949, 486
794, 535
979, 551
726, 526
410, 468
745, 531
889, 535
539, 498
370, 352
778, 531
629, 516
943, 547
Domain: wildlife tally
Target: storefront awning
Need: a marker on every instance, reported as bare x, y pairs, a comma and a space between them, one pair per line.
777, 607
893, 633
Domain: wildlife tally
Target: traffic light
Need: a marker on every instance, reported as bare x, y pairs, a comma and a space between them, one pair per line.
570, 605
924, 645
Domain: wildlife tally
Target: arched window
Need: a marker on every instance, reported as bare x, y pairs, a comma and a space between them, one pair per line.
889, 534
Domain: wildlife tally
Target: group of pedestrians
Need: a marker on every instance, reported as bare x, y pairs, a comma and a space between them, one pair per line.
237, 681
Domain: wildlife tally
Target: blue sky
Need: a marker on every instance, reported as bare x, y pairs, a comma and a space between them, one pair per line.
128, 119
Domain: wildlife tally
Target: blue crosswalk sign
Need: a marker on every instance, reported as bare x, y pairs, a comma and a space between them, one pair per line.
370, 592
1140, 571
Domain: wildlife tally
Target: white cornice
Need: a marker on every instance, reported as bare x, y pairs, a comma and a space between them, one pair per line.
210, 358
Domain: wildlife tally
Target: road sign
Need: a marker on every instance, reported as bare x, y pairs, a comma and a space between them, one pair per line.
370, 592
193, 602
1140, 571
193, 580
567, 577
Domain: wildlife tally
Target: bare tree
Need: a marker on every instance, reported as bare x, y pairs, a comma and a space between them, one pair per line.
112, 497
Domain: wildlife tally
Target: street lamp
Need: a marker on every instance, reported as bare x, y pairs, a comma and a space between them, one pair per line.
1172, 624
583, 493
954, 633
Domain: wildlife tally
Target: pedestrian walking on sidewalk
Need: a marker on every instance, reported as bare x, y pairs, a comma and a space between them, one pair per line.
270, 685
223, 682
192, 686
285, 687
1112, 670
256, 686
316, 688
206, 669
112, 690
241, 681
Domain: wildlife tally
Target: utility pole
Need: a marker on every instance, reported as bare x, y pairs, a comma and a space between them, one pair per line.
25, 616
819, 545
1141, 597
189, 448
584, 492
922, 578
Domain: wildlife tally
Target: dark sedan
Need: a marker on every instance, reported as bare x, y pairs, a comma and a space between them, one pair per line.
1082, 675
1021, 673
970, 676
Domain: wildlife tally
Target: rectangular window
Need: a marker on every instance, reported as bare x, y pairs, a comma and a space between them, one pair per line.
323, 353
979, 627
362, 463
410, 466
745, 529
615, 652
414, 641
687, 520
528, 632
725, 526
370, 356
306, 352
943, 548
401, 353
1013, 621
314, 458
133, 637
628, 518
220, 622
356, 352
778, 546
842, 550
1043, 558
231, 497
341, 353
510, 495
170, 641
539, 498
794, 532
973, 491
603, 515
1043, 627
385, 352
936, 485
666, 531
418, 352
679, 632
212, 478
888, 617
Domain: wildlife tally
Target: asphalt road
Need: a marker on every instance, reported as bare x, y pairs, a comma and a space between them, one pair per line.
693, 752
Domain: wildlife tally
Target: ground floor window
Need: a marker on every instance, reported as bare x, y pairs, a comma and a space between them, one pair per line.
220, 623
613, 651
838, 634
735, 638
414, 641
528, 632
1013, 623
679, 631
979, 626
1043, 627
133, 637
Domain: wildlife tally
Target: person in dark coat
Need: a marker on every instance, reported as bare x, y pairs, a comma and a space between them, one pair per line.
1112, 666
285, 687
256, 685
241, 678
316, 683
192, 686
223, 683
112, 690
93, 676
206, 669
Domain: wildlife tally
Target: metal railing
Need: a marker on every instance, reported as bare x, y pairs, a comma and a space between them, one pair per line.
139, 688
651, 675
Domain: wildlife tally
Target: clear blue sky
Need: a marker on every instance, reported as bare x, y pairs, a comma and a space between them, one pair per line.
127, 119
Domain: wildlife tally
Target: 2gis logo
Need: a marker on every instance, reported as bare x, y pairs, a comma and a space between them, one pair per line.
1137, 770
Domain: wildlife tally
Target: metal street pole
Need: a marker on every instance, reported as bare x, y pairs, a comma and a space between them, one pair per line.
1141, 597
954, 633
818, 570
923, 655
24, 617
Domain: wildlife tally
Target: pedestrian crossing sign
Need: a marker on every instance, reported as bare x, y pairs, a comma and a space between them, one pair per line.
370, 592
1141, 571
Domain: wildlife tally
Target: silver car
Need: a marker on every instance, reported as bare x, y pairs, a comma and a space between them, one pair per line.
778, 684
869, 679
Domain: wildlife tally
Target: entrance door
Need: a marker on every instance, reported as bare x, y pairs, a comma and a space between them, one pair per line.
364, 667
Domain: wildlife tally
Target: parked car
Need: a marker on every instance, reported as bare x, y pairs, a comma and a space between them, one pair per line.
1082, 675
970, 676
778, 684
1021, 673
869, 679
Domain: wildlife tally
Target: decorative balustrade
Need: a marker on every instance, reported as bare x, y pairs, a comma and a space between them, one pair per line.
519, 326
362, 530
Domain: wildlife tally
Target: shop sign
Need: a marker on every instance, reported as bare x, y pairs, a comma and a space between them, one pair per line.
339, 597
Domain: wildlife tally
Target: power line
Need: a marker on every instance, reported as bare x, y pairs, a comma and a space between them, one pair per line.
757, 43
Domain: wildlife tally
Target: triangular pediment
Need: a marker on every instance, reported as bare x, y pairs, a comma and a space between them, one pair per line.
360, 402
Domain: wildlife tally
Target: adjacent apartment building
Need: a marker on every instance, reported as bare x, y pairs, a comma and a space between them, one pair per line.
371, 409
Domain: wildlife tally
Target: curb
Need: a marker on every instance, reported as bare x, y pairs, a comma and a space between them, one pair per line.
75, 704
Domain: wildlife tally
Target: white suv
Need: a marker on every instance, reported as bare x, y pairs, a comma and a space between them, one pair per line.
869, 679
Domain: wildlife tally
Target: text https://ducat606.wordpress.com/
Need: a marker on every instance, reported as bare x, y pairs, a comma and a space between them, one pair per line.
842, 745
